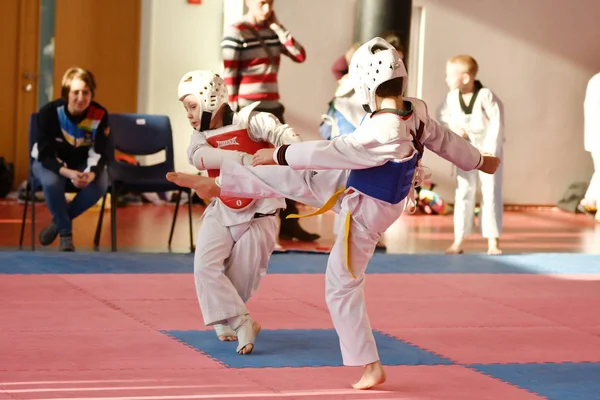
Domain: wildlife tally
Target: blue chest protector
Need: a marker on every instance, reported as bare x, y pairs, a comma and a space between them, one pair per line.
392, 181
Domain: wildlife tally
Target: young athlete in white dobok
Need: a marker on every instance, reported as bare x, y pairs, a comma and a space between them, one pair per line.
476, 114
238, 234
367, 177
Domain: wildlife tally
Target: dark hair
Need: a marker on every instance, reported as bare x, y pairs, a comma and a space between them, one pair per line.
393, 39
391, 88
77, 73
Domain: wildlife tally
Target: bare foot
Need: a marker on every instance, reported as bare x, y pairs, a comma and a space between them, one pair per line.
494, 251
278, 248
494, 247
203, 186
227, 338
456, 248
247, 337
373, 375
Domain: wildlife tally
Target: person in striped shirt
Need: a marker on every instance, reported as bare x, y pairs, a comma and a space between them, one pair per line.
252, 50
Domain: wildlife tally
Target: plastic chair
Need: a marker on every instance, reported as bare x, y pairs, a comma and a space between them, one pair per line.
140, 135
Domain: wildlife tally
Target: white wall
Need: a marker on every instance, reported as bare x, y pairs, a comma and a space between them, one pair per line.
537, 55
326, 30
169, 49
176, 37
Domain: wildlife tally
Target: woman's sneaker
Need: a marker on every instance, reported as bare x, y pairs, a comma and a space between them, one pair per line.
48, 234
66, 243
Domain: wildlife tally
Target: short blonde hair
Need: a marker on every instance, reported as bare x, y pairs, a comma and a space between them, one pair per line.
470, 64
77, 73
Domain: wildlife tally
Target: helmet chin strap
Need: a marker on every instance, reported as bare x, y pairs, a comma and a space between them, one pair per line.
205, 121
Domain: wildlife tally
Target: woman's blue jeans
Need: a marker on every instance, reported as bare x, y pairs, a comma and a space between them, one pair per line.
54, 186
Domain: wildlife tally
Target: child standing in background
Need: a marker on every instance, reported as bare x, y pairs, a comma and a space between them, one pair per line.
475, 113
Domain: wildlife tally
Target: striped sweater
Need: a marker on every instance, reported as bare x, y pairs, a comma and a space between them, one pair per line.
249, 71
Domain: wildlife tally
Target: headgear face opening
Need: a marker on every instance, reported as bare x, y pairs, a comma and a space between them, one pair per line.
374, 63
208, 88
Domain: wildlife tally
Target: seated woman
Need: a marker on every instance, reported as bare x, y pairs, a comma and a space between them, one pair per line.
71, 143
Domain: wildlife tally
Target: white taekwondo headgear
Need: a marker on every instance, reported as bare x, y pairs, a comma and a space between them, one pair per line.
208, 87
374, 63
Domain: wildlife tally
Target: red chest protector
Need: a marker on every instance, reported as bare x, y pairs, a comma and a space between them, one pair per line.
237, 140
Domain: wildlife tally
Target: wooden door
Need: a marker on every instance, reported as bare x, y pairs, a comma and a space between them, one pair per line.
102, 36
19, 41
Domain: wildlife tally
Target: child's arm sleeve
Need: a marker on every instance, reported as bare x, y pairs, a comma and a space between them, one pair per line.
365, 148
203, 156
494, 135
265, 127
450, 146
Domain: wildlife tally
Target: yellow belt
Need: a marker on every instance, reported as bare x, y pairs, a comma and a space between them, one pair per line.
323, 209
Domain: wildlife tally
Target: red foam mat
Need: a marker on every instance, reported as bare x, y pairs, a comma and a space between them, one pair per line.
403, 382
96, 336
521, 285
506, 345
60, 316
136, 286
38, 288
461, 311
421, 382
96, 350
119, 384
574, 311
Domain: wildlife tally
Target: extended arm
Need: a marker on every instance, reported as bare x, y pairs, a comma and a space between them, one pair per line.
290, 47
380, 140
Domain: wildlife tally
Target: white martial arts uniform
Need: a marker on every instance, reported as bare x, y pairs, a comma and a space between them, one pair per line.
237, 235
383, 137
592, 137
483, 120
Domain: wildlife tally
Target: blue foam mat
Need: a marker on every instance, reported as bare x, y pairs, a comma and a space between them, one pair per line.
299, 263
301, 348
573, 381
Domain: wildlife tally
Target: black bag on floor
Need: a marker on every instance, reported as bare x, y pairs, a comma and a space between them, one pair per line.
7, 177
